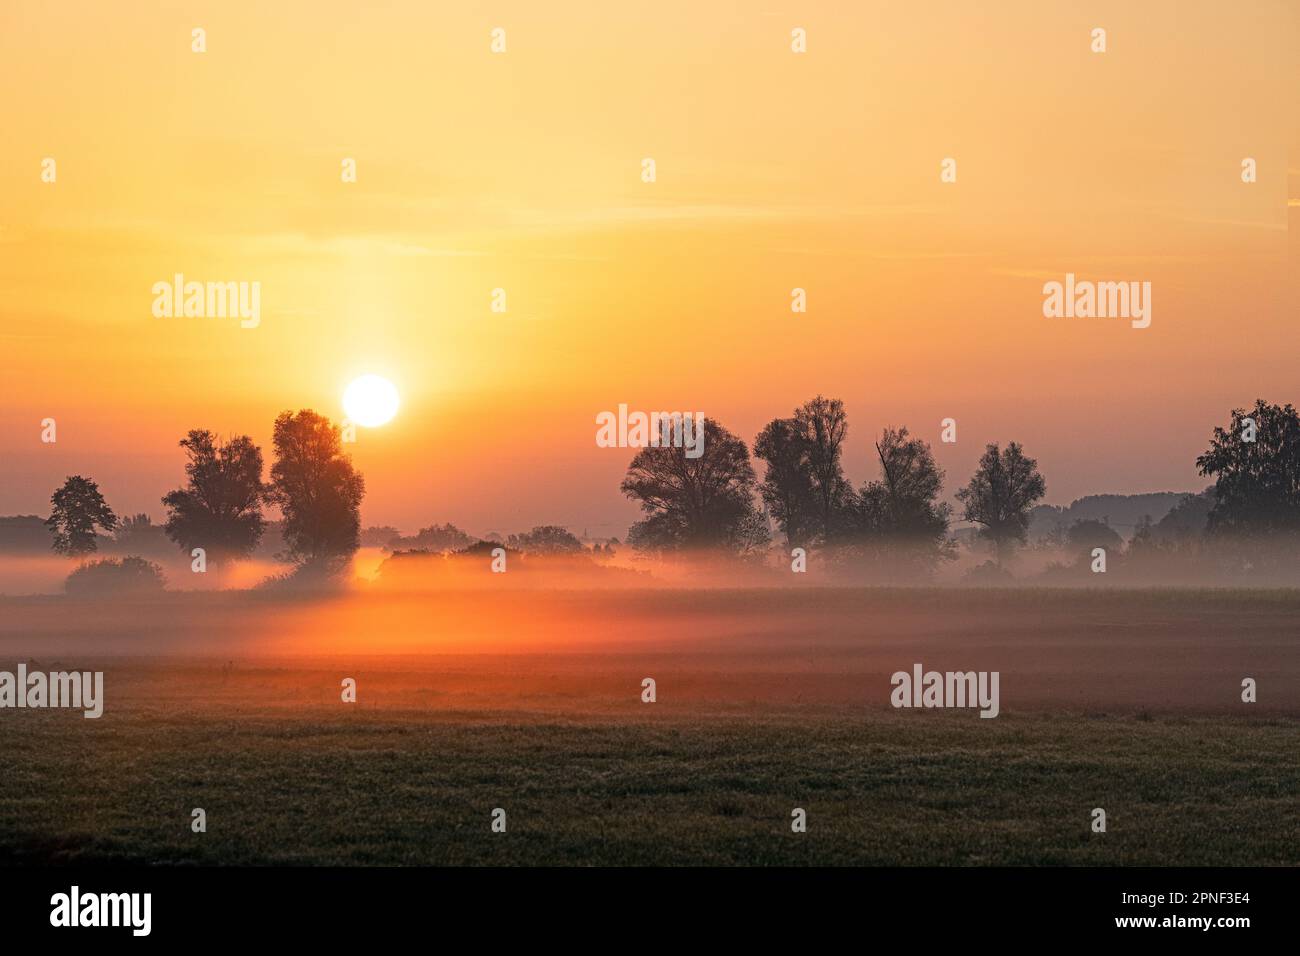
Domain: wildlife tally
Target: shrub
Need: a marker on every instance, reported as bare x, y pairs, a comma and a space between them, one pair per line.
116, 576
988, 574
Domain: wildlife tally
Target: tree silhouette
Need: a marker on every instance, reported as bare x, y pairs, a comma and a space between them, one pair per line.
78, 509
804, 487
138, 535
1089, 533
220, 508
1257, 483
1187, 520
317, 489
787, 486
436, 538
823, 425
133, 526
696, 503
1000, 493
546, 539
901, 510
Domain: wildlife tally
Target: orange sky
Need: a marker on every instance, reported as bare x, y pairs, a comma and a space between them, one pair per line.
522, 171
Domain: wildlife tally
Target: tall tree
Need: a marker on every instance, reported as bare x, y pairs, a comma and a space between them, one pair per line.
787, 486
220, 507
823, 426
318, 490
696, 503
1000, 494
901, 510
1255, 462
78, 508
804, 487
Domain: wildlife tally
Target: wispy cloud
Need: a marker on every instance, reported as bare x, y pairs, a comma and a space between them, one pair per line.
1242, 223
351, 245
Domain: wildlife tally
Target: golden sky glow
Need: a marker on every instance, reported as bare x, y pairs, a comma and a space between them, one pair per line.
521, 171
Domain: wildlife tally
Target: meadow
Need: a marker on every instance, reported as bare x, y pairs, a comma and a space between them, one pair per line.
767, 700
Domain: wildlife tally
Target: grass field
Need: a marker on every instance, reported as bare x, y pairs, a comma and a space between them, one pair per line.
767, 701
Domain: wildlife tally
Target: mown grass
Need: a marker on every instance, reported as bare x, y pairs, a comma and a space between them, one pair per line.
768, 700
418, 787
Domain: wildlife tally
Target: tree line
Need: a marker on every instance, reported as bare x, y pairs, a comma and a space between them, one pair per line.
716, 501
219, 508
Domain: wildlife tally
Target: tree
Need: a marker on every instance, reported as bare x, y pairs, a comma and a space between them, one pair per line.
804, 488
436, 538
1257, 482
78, 509
1187, 520
132, 527
1000, 494
696, 503
138, 535
317, 489
823, 426
220, 507
1172, 549
546, 539
1089, 533
901, 511
787, 487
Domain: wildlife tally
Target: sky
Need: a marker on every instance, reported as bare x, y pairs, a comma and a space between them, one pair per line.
522, 171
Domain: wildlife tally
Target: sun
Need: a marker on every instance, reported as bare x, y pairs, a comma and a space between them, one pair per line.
370, 401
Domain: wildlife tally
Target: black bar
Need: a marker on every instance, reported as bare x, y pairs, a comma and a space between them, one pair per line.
979, 906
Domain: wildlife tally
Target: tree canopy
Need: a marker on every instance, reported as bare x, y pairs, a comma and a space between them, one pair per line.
1255, 463
1000, 494
696, 503
546, 539
900, 512
220, 507
804, 488
317, 489
78, 509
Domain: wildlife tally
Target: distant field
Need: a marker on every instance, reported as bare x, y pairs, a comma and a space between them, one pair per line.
768, 700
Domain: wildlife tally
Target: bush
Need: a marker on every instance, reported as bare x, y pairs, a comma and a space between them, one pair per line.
116, 576
988, 574
321, 575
